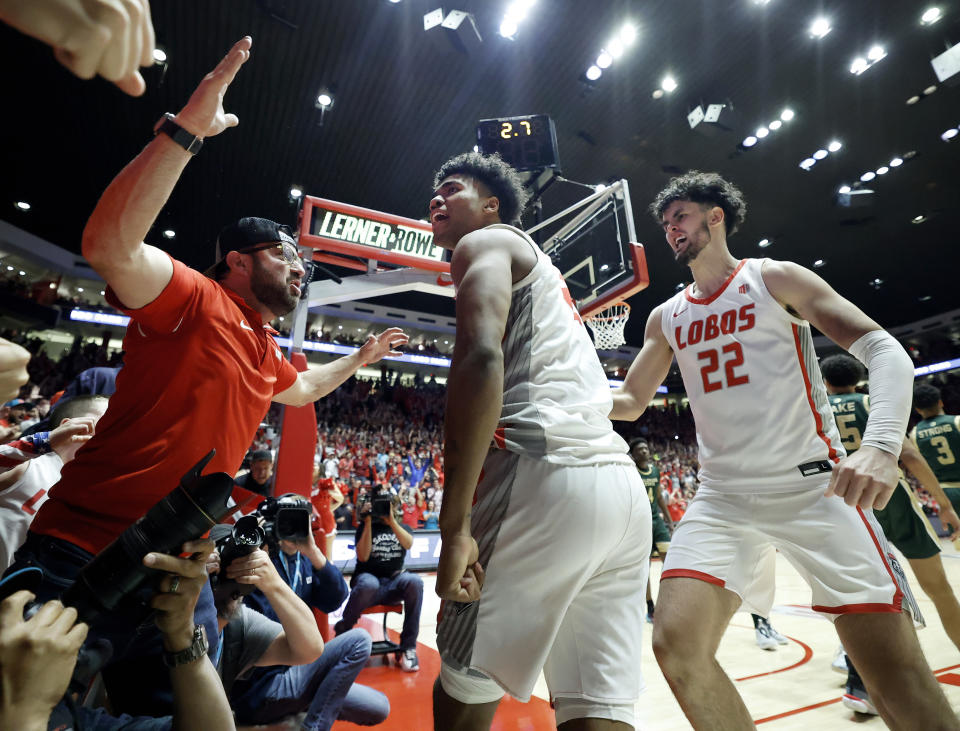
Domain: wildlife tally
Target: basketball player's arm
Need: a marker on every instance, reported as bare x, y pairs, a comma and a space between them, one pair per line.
646, 373
868, 477
918, 467
664, 508
319, 380
113, 237
482, 271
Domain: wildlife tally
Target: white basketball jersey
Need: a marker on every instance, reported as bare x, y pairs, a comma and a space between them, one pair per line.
556, 398
751, 374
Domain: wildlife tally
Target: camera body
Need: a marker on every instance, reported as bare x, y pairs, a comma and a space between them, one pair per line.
379, 504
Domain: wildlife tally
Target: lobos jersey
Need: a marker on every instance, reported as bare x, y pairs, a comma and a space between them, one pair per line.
755, 389
556, 398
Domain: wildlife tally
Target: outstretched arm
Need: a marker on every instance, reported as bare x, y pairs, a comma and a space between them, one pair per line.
646, 373
113, 237
317, 381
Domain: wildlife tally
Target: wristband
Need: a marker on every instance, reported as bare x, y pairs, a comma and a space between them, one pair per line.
167, 125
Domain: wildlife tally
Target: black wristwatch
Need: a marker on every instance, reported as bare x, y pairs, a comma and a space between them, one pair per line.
198, 648
168, 126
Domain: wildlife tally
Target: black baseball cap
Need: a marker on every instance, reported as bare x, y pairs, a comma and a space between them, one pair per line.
248, 232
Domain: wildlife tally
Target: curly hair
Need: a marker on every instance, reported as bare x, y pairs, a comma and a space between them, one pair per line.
926, 396
637, 440
502, 180
703, 188
841, 370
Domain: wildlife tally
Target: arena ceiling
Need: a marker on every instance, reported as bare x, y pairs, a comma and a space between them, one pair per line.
404, 104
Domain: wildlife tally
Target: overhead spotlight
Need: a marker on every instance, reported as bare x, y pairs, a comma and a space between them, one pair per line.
476, 148
808, 163
657, 94
834, 146
819, 154
913, 100
604, 60
509, 28
844, 189
80, 289
9, 268
876, 283
669, 84
23, 273
169, 233
787, 114
868, 176
594, 73
749, 141
628, 33
949, 134
296, 192
775, 125
918, 219
929, 90
820, 27
930, 16
23, 205
859, 65
819, 263
896, 162
764, 243
762, 132
616, 48
883, 170
394, 1
324, 100
876, 53
159, 55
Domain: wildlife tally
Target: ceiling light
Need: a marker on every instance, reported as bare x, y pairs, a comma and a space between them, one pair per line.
819, 154
657, 93
628, 33
844, 189
102, 292
324, 100
476, 148
604, 59
916, 219
876, 283
909, 155
787, 114
593, 73
762, 132
818, 263
749, 141
931, 16
668, 84
868, 176
859, 65
929, 90
925, 298
9, 268
508, 28
296, 192
913, 100
820, 27
883, 170
949, 134
22, 205
616, 48
79, 289
876, 53
159, 55
23, 273
896, 162
808, 163
169, 233
835, 145
764, 243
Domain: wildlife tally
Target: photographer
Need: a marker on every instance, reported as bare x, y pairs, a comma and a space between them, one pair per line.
379, 577
322, 686
37, 658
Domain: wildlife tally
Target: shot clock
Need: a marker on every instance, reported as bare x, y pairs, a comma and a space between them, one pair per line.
526, 143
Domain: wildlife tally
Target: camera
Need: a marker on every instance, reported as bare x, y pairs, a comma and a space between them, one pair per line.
116, 579
285, 518
379, 504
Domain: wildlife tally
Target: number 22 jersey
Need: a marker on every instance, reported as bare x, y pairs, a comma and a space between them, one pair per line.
751, 374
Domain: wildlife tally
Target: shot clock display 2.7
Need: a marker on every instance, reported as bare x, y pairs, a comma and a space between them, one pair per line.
527, 143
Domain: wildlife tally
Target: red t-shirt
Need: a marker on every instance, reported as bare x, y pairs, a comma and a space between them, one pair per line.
199, 373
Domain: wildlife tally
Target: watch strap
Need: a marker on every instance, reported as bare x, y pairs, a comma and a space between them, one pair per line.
198, 648
168, 126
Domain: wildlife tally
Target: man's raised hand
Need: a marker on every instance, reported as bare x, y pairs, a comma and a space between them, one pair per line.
203, 114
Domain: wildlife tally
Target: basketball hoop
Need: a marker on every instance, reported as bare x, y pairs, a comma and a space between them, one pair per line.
607, 326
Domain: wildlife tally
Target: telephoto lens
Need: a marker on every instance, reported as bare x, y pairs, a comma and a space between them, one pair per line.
115, 575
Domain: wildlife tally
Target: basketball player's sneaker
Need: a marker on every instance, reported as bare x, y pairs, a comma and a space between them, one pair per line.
839, 664
858, 700
765, 641
781, 640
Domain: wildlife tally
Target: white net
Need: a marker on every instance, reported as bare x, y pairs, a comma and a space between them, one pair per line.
607, 326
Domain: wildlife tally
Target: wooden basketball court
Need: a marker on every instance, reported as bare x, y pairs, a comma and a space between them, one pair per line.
790, 688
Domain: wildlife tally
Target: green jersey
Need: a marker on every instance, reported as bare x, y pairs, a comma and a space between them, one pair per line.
651, 481
938, 440
850, 411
